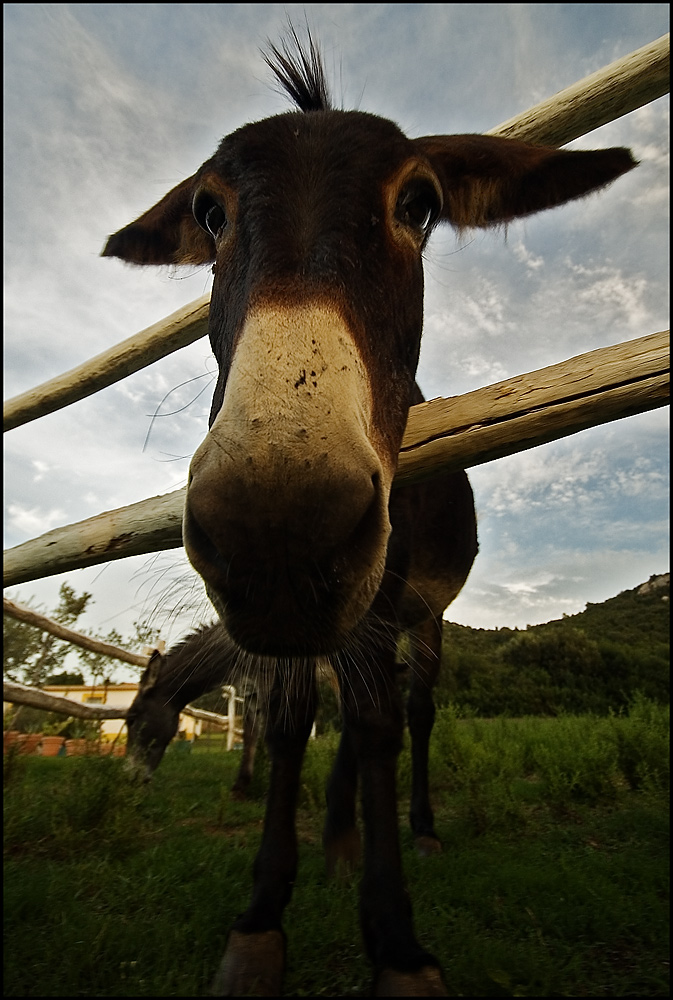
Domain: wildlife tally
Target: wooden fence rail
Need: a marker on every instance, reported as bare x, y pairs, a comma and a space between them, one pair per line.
181, 328
609, 93
613, 91
23, 694
30, 617
529, 410
441, 435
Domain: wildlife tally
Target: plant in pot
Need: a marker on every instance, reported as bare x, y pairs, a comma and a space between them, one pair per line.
81, 736
53, 741
24, 729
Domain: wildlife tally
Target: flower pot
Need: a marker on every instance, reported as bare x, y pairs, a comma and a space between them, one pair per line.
9, 738
28, 742
75, 748
51, 745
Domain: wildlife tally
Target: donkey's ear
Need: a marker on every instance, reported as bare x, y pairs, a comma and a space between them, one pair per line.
166, 234
152, 671
489, 180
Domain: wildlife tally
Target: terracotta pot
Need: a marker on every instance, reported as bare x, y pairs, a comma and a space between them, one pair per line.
51, 745
75, 748
9, 738
28, 742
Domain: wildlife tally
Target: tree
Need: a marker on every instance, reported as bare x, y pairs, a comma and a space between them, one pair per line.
36, 658
30, 656
100, 667
66, 677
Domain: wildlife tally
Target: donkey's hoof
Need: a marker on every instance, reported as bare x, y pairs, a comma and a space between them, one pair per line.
342, 853
426, 982
252, 966
428, 845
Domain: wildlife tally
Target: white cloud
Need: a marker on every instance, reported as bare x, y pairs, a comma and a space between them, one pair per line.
41, 469
34, 520
620, 299
498, 595
531, 261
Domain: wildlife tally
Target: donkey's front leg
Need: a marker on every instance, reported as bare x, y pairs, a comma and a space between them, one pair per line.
254, 960
374, 716
426, 646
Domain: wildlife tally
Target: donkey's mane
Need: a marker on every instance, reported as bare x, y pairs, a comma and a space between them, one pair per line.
300, 72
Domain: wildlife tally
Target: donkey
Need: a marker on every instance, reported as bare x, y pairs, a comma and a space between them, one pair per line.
197, 664
315, 222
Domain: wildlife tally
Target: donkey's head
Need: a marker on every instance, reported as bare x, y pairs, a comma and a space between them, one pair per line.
315, 222
151, 721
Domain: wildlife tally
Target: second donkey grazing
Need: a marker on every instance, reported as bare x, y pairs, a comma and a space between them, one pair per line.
315, 222
200, 663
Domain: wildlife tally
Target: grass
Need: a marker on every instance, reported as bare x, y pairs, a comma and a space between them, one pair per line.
553, 880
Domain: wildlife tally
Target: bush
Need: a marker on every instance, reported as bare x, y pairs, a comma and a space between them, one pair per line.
643, 745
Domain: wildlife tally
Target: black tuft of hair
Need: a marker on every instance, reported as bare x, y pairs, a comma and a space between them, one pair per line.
300, 72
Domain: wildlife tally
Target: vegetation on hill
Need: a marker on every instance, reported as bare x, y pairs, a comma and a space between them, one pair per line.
596, 661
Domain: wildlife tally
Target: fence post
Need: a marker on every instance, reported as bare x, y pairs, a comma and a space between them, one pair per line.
230, 693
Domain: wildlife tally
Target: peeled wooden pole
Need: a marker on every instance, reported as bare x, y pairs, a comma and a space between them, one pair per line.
31, 617
182, 327
21, 694
442, 435
532, 409
148, 526
611, 92
204, 716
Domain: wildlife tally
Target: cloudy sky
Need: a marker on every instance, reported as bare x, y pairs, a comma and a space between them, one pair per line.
107, 106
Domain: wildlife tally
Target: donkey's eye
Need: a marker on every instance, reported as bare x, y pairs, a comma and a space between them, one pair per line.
216, 220
209, 214
418, 206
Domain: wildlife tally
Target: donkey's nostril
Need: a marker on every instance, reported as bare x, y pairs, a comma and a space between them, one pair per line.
201, 548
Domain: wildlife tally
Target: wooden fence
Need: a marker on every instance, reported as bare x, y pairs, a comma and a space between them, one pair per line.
443, 434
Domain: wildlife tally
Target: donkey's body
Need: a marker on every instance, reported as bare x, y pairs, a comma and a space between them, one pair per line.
316, 222
439, 562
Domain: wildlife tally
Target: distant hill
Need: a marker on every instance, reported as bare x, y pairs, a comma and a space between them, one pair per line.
640, 616
597, 660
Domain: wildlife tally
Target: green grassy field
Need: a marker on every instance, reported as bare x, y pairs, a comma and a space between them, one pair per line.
553, 880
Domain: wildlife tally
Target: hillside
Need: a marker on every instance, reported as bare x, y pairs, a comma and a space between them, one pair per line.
597, 660
640, 617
